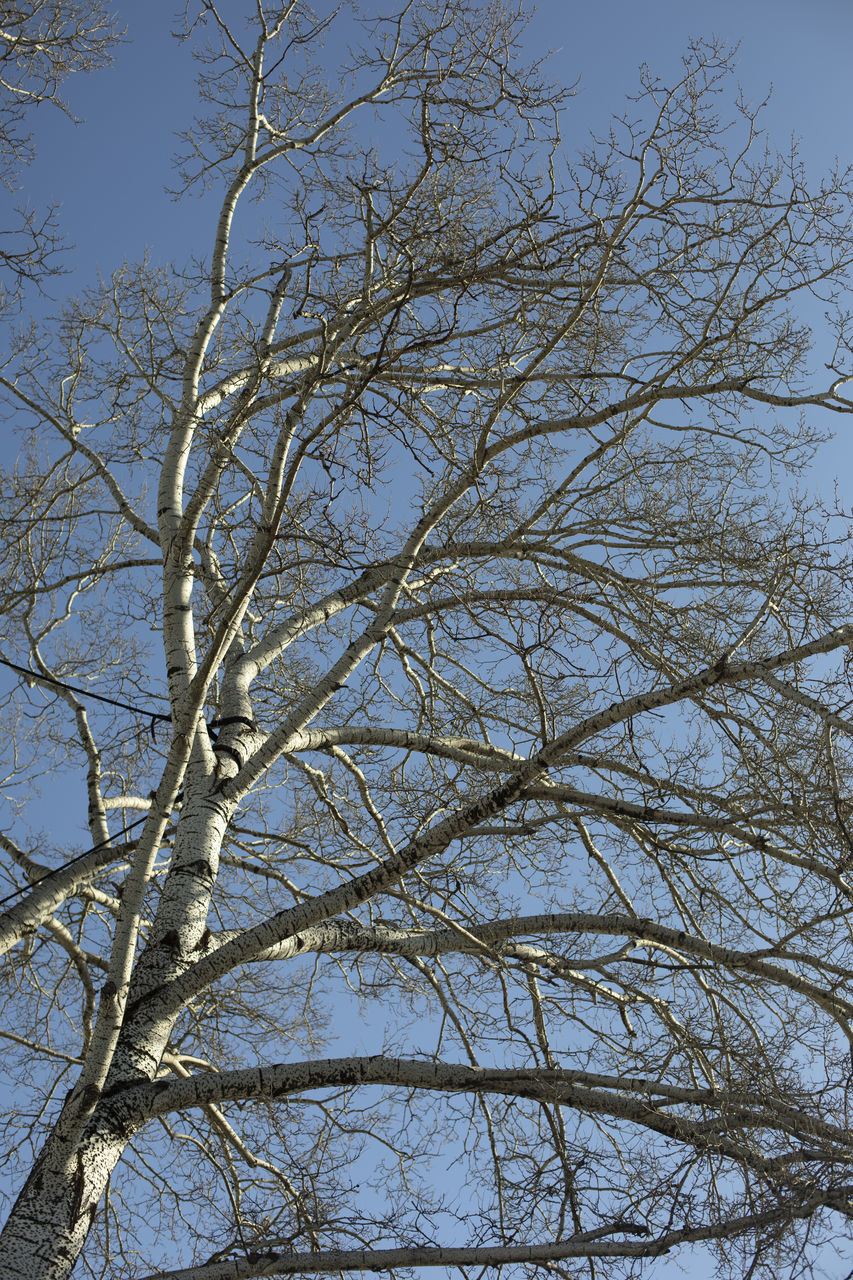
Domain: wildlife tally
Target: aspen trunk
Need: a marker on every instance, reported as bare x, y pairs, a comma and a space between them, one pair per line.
52, 1216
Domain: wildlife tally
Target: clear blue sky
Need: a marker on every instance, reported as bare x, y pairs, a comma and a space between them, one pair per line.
109, 174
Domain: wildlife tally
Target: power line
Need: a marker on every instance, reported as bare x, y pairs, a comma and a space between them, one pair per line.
153, 716
212, 725
16, 893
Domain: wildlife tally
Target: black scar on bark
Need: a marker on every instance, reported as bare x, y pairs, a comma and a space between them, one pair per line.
172, 941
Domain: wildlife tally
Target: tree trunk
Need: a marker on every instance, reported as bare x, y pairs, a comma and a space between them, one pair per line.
51, 1218
55, 1209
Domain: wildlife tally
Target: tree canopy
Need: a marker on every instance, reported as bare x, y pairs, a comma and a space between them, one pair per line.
459, 687
42, 42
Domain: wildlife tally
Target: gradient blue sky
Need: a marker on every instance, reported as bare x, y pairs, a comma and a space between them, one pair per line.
109, 173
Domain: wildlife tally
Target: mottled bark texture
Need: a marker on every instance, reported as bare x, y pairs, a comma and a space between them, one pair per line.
459, 699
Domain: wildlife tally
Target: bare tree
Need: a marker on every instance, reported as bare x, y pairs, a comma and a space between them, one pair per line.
42, 42
459, 691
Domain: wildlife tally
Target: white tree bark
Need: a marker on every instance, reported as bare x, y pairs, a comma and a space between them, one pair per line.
497, 706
